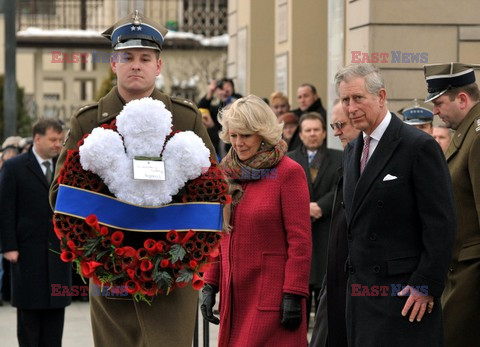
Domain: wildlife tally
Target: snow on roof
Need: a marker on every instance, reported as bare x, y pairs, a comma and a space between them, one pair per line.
214, 41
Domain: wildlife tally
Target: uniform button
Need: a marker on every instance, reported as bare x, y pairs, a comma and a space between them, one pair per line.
342, 204
380, 203
451, 269
376, 269
351, 269
104, 114
373, 236
349, 236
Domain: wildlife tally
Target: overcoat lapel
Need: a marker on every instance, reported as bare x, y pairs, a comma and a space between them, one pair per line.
384, 151
33, 166
351, 172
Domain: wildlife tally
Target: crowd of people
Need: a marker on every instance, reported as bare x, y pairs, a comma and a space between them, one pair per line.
382, 240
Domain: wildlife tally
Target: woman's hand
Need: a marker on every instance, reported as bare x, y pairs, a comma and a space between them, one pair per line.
291, 311
208, 301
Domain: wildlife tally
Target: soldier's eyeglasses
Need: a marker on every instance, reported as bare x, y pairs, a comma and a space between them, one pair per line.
338, 125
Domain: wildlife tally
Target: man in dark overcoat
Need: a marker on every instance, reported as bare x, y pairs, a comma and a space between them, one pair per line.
330, 327
28, 240
400, 220
170, 319
320, 165
456, 97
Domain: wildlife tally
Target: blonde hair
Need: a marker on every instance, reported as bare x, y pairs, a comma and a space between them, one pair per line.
249, 115
278, 95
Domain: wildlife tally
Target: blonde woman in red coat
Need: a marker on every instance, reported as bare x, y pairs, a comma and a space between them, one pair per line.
263, 269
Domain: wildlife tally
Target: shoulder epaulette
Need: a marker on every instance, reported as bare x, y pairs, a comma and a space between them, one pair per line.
85, 108
185, 102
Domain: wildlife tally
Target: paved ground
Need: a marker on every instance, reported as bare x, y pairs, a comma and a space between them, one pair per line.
77, 332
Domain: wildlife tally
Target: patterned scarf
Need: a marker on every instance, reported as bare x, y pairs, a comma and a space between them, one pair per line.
254, 168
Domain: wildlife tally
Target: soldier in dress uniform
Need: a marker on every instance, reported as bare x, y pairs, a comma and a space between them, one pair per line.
455, 97
419, 117
169, 321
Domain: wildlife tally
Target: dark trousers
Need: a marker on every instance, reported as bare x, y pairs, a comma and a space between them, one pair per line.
313, 297
40, 328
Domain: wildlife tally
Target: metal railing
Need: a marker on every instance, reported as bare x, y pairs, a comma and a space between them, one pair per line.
206, 17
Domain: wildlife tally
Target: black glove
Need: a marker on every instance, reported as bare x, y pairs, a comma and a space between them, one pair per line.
208, 301
291, 311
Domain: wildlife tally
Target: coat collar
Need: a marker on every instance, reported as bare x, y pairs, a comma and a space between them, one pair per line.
32, 164
462, 131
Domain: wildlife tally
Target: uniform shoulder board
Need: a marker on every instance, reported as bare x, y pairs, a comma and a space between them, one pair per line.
477, 125
85, 108
185, 102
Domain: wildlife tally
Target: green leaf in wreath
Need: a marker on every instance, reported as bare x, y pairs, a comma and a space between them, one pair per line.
185, 275
177, 252
163, 279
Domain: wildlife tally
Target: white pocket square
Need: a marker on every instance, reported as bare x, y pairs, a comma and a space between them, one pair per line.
389, 178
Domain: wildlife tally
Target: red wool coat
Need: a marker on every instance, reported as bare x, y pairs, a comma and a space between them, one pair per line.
268, 253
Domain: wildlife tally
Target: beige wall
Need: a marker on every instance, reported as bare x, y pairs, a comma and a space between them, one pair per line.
441, 31
286, 45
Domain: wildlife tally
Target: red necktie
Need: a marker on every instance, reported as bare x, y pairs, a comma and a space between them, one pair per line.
363, 160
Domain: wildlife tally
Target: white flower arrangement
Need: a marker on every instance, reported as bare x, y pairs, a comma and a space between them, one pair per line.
144, 125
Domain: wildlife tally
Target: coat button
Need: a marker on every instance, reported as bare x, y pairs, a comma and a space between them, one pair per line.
373, 236
380, 203
349, 236
104, 114
342, 204
376, 269
351, 270
451, 269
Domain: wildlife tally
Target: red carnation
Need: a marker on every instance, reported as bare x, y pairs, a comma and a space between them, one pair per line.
89, 267
150, 246
92, 221
58, 233
197, 282
188, 236
117, 238
160, 245
141, 253
214, 252
71, 245
129, 251
119, 251
104, 231
172, 236
193, 264
164, 263
67, 256
132, 286
146, 265
131, 273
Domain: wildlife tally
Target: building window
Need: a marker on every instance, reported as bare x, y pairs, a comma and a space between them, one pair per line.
206, 17
46, 7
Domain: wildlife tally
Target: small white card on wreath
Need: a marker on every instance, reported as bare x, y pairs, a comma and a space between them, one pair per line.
145, 168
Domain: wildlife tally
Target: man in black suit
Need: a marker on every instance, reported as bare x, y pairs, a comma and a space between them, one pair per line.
29, 242
320, 165
401, 220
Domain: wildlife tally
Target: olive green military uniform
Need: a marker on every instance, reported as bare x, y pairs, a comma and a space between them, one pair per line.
461, 298
170, 320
